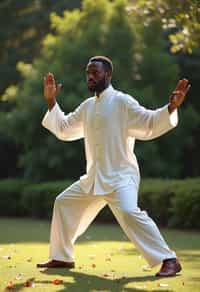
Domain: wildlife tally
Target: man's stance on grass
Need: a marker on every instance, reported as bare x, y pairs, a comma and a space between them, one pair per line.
109, 122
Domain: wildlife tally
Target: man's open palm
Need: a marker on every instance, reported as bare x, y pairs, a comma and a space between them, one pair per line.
179, 94
51, 90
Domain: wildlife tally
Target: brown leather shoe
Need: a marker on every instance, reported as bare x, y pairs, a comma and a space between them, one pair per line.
56, 264
169, 268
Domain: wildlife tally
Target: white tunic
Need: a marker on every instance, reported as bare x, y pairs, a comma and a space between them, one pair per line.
109, 125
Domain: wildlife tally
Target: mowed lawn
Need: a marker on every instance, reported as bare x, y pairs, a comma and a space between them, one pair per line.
105, 260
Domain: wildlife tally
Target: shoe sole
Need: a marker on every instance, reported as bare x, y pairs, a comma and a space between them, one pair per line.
172, 275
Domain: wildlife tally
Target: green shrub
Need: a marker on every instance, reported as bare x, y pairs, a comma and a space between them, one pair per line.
155, 197
185, 205
38, 199
174, 203
10, 197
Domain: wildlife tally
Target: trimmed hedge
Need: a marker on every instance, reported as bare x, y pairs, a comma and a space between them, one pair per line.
38, 199
185, 205
173, 203
10, 197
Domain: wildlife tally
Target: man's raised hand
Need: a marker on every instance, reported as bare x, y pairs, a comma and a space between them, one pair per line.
51, 90
178, 95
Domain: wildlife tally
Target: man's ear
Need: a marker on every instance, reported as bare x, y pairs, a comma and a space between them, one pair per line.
109, 75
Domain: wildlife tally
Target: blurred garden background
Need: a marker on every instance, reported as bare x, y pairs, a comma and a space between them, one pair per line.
153, 43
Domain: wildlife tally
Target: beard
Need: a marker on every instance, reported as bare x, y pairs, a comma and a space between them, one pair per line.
97, 86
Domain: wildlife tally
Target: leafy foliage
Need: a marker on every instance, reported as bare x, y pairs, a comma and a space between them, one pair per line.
181, 17
23, 26
102, 27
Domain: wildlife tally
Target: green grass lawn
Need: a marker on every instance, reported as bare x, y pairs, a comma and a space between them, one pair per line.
105, 260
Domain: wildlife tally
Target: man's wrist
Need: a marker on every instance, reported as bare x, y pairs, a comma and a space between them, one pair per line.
171, 108
51, 103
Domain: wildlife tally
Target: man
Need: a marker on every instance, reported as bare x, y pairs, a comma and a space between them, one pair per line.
109, 122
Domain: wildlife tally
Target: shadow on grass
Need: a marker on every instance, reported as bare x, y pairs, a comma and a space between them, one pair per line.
86, 282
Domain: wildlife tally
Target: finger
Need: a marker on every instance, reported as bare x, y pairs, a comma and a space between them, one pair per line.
58, 88
182, 84
187, 89
178, 93
185, 83
178, 85
50, 79
177, 97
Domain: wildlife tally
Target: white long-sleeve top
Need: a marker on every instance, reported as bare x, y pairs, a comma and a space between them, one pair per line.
109, 125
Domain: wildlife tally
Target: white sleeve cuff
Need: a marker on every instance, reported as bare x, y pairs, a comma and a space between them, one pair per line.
49, 114
173, 117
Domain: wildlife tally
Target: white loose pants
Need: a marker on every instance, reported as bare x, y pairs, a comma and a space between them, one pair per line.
74, 211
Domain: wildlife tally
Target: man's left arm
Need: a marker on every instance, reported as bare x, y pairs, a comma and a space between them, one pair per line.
148, 124
167, 119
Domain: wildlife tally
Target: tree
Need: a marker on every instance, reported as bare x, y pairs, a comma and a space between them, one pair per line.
181, 17
23, 24
65, 53
142, 67
156, 76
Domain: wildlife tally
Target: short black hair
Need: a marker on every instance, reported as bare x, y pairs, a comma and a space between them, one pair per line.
107, 63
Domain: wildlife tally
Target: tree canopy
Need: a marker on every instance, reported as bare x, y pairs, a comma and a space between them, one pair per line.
143, 67
23, 24
182, 18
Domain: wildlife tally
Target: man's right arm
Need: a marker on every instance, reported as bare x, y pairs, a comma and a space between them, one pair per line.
65, 127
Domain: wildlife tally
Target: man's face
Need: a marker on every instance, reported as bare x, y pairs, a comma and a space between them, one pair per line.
97, 78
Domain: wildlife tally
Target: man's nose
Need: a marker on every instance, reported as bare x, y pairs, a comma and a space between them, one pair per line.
90, 76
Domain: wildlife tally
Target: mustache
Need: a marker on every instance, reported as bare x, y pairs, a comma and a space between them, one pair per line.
91, 81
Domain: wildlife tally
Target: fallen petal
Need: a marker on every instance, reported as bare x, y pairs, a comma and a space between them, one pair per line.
92, 256
18, 277
163, 284
28, 284
140, 287
57, 281
6, 257
10, 286
146, 268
